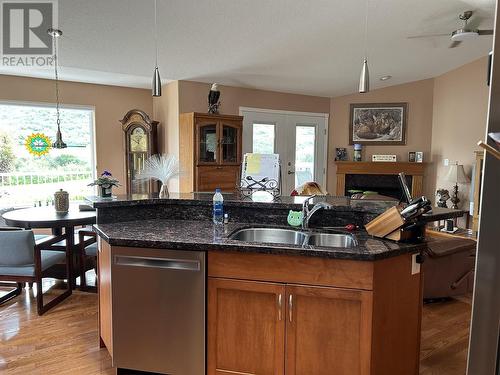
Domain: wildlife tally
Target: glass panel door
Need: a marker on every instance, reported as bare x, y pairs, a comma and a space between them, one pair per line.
263, 138
207, 143
305, 154
299, 139
229, 143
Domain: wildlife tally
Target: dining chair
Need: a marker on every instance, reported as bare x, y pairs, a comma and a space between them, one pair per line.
23, 260
87, 242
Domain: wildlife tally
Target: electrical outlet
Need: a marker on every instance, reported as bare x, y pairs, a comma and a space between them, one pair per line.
446, 162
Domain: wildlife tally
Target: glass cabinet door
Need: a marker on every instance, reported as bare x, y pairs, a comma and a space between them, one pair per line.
136, 163
207, 143
138, 153
230, 137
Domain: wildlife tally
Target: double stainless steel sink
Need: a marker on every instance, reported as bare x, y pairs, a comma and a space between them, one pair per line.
294, 237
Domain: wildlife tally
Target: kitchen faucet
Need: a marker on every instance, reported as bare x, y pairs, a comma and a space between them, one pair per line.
308, 213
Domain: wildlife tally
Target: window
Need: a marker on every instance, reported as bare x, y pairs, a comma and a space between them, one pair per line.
305, 151
263, 139
28, 179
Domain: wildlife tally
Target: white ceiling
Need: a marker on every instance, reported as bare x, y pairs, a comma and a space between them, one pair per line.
300, 46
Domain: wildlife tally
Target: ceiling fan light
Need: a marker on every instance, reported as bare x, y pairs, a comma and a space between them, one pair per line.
461, 35
364, 78
156, 83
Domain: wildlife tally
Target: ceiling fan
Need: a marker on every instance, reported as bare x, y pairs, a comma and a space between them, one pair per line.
464, 33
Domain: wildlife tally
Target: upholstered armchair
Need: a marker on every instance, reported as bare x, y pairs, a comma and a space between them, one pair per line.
23, 260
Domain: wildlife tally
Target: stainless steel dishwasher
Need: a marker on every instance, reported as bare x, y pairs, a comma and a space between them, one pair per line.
159, 310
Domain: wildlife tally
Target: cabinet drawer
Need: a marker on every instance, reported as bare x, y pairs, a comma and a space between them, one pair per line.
291, 269
211, 177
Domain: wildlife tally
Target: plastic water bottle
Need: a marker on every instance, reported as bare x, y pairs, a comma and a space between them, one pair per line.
218, 211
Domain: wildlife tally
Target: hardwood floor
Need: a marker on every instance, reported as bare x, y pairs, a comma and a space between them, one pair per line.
445, 337
64, 340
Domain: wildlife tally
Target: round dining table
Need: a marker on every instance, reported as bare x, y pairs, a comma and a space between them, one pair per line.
46, 217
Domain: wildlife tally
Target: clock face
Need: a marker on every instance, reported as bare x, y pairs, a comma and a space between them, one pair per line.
138, 140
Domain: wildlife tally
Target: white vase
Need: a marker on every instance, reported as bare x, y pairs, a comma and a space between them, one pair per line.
163, 191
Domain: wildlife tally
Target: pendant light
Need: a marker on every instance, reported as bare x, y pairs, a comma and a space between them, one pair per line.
59, 143
364, 78
156, 74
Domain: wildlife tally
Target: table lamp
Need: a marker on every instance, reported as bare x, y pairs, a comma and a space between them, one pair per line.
457, 175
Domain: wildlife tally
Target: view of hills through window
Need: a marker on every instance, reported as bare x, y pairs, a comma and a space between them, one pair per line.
28, 179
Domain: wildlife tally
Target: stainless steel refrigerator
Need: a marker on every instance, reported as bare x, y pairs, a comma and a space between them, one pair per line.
485, 327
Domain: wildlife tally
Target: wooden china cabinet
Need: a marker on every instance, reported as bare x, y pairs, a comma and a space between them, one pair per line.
210, 151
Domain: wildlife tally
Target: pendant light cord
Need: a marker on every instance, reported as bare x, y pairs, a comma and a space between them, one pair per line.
156, 37
54, 37
366, 29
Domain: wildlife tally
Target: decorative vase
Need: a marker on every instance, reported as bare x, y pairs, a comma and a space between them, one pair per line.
163, 191
61, 201
105, 191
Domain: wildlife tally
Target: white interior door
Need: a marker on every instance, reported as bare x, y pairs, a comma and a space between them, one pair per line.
299, 138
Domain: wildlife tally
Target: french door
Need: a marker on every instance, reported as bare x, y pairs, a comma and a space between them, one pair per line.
300, 139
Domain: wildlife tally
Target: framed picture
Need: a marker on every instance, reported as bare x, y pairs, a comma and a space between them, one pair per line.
411, 156
341, 154
419, 157
378, 123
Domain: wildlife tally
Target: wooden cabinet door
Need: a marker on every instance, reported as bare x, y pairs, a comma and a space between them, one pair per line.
207, 142
245, 327
211, 177
104, 290
230, 142
328, 331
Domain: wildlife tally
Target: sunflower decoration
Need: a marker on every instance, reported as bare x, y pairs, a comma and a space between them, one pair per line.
38, 144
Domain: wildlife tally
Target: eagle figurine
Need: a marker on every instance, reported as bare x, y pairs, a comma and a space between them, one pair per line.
213, 99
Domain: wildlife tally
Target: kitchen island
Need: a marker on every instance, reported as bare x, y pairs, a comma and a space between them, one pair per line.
270, 308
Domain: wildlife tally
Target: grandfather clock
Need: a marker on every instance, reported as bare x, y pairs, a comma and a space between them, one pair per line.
140, 143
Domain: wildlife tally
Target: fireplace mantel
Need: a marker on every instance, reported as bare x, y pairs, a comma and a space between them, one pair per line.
415, 170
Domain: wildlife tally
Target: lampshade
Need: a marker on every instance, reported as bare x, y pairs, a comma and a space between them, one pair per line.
156, 83
456, 174
364, 79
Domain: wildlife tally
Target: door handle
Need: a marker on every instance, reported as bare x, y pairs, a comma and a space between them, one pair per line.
164, 263
279, 306
290, 307
290, 172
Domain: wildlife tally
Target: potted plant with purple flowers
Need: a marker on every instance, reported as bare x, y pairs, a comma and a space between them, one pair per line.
105, 183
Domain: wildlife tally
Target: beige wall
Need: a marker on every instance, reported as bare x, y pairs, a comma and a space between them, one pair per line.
189, 96
193, 98
110, 103
459, 121
418, 95
446, 115
166, 111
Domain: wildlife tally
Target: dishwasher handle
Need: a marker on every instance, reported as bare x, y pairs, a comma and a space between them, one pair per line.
164, 263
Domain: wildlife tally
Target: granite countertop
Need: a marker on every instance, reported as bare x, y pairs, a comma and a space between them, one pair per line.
262, 201
204, 236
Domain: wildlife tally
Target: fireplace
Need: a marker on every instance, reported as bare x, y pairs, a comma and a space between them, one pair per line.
382, 184
379, 176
